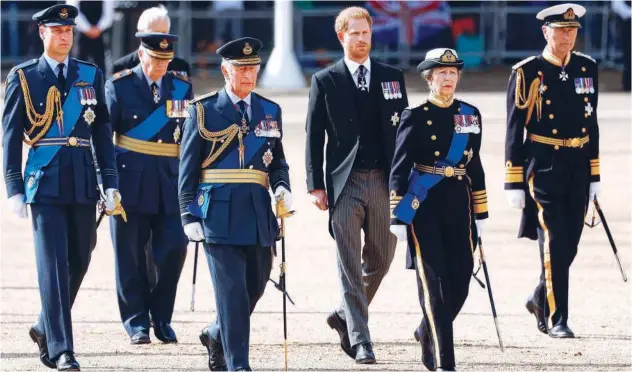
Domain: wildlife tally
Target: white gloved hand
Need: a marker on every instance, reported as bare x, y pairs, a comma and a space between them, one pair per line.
110, 199
515, 198
194, 231
18, 206
283, 193
479, 227
400, 232
595, 191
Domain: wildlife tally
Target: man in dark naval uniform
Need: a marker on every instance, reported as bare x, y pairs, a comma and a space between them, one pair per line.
56, 105
154, 19
553, 97
147, 106
231, 155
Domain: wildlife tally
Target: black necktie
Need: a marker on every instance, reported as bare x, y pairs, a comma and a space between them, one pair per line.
155, 91
61, 78
362, 78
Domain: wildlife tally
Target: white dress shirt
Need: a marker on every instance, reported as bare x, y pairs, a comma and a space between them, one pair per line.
353, 69
54, 65
234, 99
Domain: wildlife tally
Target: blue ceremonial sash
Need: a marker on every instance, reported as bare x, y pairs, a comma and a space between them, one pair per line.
252, 145
420, 183
40, 158
157, 119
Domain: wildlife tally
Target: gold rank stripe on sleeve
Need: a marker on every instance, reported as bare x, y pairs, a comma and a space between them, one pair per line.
394, 201
595, 167
514, 174
480, 201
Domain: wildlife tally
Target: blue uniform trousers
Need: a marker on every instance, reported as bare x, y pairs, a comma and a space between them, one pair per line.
65, 235
239, 274
136, 298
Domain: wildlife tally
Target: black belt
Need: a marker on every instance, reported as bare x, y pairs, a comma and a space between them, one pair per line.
63, 141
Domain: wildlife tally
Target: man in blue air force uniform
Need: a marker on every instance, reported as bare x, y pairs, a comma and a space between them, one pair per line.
147, 107
55, 104
231, 154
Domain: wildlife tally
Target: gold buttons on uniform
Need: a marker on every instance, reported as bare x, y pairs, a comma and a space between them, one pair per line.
251, 167
551, 116
159, 141
135, 117
540, 73
429, 122
586, 115
548, 101
583, 68
425, 108
460, 178
557, 147
583, 130
461, 166
437, 153
433, 137
465, 152
585, 99
554, 131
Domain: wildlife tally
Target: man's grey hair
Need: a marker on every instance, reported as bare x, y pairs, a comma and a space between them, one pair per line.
229, 66
151, 15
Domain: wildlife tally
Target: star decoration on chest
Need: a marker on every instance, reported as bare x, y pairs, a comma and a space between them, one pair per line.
395, 119
542, 89
563, 75
89, 116
589, 109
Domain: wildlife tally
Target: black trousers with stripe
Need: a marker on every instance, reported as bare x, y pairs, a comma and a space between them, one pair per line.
442, 241
559, 187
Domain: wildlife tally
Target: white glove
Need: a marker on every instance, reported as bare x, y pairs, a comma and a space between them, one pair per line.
194, 231
479, 227
283, 193
110, 199
595, 191
18, 205
400, 232
515, 198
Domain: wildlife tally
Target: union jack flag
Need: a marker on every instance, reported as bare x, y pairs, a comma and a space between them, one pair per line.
408, 22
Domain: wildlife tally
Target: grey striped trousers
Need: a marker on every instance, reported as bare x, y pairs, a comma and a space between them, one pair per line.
363, 205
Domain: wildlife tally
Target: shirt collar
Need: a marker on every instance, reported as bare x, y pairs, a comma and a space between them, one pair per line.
149, 81
554, 60
233, 97
53, 64
353, 66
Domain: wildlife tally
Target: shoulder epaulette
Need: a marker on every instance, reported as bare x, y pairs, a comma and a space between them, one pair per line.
23, 65
179, 76
121, 74
86, 63
585, 56
523, 62
265, 99
204, 96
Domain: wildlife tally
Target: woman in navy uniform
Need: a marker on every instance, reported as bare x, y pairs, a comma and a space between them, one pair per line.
552, 172
147, 106
231, 155
437, 194
56, 105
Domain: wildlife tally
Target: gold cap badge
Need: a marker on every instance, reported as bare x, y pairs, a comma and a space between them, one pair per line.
247, 49
164, 44
570, 14
63, 13
448, 56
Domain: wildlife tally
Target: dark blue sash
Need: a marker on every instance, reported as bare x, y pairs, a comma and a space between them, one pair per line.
40, 158
252, 145
157, 119
420, 183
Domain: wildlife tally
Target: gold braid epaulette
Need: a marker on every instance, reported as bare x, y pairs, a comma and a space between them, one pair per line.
534, 99
53, 102
224, 136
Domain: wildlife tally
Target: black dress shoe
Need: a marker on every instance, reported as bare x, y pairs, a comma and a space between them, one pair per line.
216, 360
538, 312
140, 338
426, 355
364, 353
446, 369
561, 331
164, 332
67, 362
40, 340
336, 323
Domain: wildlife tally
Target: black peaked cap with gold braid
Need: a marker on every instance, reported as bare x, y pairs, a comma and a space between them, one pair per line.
56, 15
242, 52
157, 44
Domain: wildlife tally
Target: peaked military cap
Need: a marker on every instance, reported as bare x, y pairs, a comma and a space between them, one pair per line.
157, 44
440, 57
242, 52
562, 15
57, 15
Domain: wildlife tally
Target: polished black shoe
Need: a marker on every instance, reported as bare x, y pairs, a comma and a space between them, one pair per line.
446, 369
538, 312
40, 340
216, 360
67, 362
140, 338
164, 332
426, 355
336, 323
561, 331
364, 353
